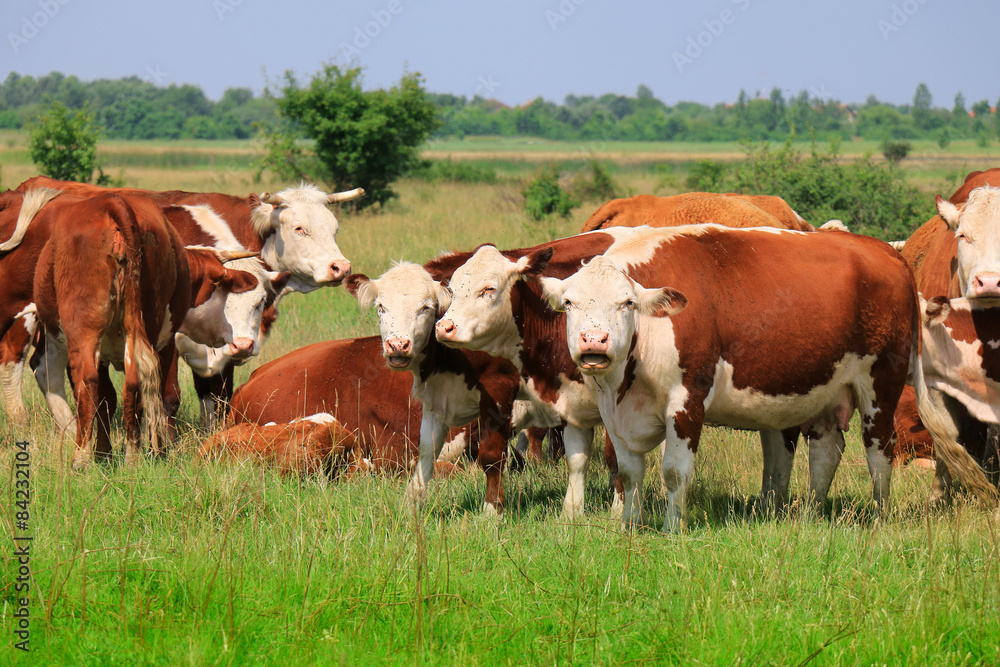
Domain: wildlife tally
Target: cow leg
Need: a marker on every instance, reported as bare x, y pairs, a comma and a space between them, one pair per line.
536, 435
50, 364
433, 432
557, 442
214, 396
615, 479
171, 390
492, 455
13, 349
779, 454
676, 472
631, 471
826, 447
579, 444
83, 366
878, 433
106, 406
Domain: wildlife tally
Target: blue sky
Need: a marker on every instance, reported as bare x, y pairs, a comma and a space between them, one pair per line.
517, 50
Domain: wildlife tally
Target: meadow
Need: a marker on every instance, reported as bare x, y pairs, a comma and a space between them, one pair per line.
176, 562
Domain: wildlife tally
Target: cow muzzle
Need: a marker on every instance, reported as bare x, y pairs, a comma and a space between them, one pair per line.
241, 348
592, 345
398, 352
339, 270
445, 330
986, 285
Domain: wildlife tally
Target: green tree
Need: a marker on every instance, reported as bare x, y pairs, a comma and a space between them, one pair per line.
544, 197
922, 106
63, 143
354, 137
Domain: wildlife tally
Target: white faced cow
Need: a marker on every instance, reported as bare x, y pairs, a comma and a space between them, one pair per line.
741, 337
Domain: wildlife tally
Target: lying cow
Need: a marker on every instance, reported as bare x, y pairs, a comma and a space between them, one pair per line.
720, 346
114, 284
313, 445
348, 379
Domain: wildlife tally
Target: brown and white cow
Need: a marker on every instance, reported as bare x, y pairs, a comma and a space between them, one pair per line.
735, 334
956, 254
293, 231
313, 445
455, 387
350, 380
114, 282
731, 210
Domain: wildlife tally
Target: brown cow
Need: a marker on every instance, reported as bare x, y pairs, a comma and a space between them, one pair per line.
313, 445
731, 210
349, 380
114, 282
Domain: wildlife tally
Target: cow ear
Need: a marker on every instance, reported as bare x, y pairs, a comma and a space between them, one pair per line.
934, 311
279, 280
238, 282
948, 212
661, 302
552, 290
443, 296
363, 289
531, 266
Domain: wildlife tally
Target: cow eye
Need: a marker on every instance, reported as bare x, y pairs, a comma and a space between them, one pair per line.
488, 291
567, 304
380, 309
300, 230
962, 237
629, 304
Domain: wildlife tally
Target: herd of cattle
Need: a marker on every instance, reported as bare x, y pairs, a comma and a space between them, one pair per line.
664, 314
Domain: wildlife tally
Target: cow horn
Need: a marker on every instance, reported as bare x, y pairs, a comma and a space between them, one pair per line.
348, 195
271, 198
230, 255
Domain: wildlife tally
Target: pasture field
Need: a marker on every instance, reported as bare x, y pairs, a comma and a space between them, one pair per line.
180, 563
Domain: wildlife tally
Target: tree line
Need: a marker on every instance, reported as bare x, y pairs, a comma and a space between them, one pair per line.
134, 108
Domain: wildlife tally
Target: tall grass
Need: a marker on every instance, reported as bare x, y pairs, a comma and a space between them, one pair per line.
180, 563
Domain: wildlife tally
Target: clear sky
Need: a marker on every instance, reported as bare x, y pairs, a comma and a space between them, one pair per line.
516, 50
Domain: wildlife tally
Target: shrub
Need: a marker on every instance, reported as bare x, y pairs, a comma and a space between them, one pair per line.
706, 176
544, 197
895, 151
63, 143
599, 186
455, 172
871, 197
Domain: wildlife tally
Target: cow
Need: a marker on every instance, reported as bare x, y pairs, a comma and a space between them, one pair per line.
348, 379
114, 283
732, 210
292, 230
734, 333
955, 255
454, 387
961, 362
312, 445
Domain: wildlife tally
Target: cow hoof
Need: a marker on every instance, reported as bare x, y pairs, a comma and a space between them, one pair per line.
82, 461
617, 508
491, 510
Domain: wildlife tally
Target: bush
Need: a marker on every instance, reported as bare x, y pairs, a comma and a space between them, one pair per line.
706, 176
63, 144
871, 197
895, 151
544, 196
599, 186
358, 138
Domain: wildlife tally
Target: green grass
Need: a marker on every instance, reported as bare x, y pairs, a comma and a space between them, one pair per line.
180, 563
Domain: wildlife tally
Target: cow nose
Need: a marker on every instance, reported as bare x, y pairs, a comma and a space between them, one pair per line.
397, 346
594, 340
340, 269
241, 347
445, 329
987, 284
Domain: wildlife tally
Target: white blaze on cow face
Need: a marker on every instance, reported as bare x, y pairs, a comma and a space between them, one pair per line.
602, 305
480, 316
408, 302
245, 309
977, 228
304, 238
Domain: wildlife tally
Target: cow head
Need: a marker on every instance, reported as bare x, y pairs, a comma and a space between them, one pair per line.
481, 316
245, 310
977, 228
211, 284
301, 235
601, 305
408, 302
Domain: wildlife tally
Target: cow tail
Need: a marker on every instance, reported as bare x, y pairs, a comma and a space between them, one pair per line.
947, 449
141, 360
